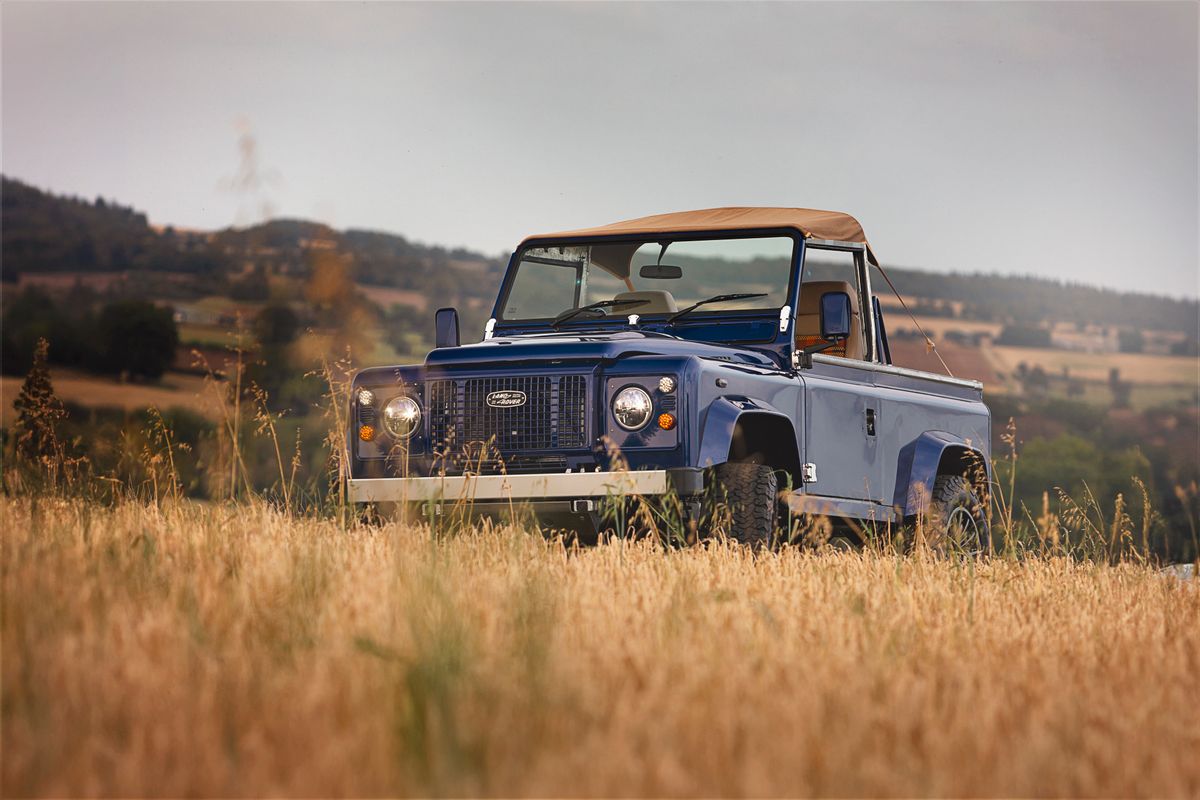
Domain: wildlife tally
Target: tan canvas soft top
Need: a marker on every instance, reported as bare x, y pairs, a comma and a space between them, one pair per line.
833, 225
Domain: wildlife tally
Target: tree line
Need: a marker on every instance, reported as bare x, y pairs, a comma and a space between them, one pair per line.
130, 338
46, 233
43, 232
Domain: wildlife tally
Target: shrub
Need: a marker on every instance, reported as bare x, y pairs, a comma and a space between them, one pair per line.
137, 338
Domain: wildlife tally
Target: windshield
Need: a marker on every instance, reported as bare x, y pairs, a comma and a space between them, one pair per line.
648, 278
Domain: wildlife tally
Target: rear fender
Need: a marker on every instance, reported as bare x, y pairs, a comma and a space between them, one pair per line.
936, 453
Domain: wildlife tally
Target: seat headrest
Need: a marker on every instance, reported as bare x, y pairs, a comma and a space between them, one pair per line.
811, 292
658, 301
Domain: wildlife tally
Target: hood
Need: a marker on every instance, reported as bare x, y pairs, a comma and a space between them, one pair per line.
588, 347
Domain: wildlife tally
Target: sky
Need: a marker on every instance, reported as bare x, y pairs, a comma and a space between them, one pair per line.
1054, 139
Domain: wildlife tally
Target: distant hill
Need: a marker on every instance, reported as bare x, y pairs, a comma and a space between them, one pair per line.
284, 246
47, 233
1028, 299
43, 232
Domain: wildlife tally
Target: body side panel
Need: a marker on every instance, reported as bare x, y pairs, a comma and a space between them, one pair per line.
838, 398
745, 391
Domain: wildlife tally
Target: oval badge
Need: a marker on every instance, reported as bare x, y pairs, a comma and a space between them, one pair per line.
506, 399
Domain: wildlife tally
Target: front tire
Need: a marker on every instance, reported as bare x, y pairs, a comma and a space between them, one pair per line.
958, 519
748, 495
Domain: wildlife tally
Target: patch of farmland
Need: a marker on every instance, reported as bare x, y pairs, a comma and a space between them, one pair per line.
937, 327
386, 296
1137, 368
207, 335
964, 361
176, 390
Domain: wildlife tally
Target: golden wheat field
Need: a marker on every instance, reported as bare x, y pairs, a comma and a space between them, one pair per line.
231, 650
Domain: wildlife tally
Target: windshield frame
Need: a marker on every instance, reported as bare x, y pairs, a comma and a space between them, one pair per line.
655, 320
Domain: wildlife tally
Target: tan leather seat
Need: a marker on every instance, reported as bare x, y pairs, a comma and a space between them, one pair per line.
658, 301
808, 320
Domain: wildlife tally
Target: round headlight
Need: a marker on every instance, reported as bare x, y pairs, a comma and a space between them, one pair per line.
402, 415
632, 408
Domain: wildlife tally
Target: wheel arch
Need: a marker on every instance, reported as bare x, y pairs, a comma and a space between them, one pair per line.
936, 453
738, 429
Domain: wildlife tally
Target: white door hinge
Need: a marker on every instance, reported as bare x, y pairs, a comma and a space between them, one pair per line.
808, 473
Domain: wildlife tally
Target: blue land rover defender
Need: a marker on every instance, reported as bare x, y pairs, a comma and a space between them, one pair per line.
735, 350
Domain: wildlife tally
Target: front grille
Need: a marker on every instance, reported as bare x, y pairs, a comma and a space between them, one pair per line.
572, 411
442, 399
465, 427
525, 427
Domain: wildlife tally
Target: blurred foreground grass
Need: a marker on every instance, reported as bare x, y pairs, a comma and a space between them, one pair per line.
232, 650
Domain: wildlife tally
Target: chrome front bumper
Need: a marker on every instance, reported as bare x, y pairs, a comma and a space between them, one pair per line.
526, 488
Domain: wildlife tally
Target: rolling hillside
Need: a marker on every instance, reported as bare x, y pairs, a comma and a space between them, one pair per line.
103, 242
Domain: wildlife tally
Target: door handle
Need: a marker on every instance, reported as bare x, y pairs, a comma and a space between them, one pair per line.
870, 422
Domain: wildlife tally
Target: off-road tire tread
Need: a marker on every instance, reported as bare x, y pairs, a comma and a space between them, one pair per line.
948, 490
751, 493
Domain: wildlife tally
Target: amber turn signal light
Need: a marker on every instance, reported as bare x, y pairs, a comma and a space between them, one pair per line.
366, 433
666, 421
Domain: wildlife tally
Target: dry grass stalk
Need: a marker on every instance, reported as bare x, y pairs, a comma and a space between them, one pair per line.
184, 649
338, 376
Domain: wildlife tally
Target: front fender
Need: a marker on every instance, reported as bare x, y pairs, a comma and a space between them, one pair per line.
919, 464
721, 421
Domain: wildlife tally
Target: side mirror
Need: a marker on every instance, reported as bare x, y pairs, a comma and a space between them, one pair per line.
835, 316
445, 323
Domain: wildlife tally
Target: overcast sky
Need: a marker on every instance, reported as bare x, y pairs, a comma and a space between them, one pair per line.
1045, 138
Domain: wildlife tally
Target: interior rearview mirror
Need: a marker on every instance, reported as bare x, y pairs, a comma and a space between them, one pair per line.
661, 271
445, 323
835, 316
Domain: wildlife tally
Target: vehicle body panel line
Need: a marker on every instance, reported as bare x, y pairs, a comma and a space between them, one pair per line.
891, 369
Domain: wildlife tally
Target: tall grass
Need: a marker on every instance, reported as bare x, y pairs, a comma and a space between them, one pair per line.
185, 649
1076, 526
1081, 526
269, 643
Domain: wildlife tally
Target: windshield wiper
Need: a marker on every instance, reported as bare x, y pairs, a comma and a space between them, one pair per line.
721, 298
597, 306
